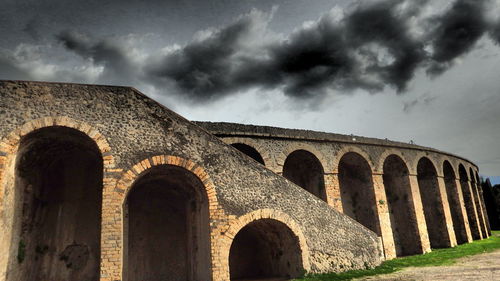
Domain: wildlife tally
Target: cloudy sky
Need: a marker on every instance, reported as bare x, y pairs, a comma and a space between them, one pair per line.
427, 71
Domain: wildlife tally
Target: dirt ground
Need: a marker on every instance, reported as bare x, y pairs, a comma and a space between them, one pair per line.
478, 267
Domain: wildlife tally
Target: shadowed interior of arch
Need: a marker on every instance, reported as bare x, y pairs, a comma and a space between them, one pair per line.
401, 209
475, 195
167, 233
454, 203
468, 200
59, 186
305, 170
249, 151
356, 190
265, 249
432, 204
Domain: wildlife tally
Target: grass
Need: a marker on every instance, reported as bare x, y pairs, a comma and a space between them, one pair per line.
437, 257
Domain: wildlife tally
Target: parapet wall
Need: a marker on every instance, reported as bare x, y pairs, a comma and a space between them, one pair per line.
156, 187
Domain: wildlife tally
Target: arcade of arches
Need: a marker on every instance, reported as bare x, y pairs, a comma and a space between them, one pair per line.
101, 183
177, 246
357, 196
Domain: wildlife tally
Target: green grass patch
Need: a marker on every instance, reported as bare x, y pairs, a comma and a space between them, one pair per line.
437, 257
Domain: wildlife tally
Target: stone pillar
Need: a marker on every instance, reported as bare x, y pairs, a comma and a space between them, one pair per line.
419, 214
481, 198
111, 229
463, 211
382, 209
332, 187
450, 234
480, 210
474, 209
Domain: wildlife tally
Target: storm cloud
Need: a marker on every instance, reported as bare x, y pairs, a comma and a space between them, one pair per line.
118, 68
370, 47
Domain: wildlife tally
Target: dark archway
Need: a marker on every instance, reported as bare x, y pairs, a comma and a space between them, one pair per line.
265, 249
305, 170
475, 195
59, 174
401, 208
432, 204
249, 151
167, 234
356, 190
452, 193
468, 201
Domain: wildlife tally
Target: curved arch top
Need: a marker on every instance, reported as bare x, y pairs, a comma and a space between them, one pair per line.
125, 183
224, 243
11, 142
291, 148
351, 149
386, 154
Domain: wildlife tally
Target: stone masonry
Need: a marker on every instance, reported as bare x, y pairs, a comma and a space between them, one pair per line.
103, 183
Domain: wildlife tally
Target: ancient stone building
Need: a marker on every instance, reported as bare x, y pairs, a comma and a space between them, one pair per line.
103, 183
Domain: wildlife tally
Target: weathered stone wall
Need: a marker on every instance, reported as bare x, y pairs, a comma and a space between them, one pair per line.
134, 135
457, 209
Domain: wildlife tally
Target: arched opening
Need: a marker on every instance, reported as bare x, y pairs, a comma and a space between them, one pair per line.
475, 195
432, 204
401, 208
304, 169
265, 249
58, 181
356, 190
454, 202
469, 205
249, 151
167, 234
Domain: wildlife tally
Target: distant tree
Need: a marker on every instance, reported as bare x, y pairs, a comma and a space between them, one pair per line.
491, 196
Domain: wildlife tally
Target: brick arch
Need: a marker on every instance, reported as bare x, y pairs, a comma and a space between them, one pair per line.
412, 165
223, 245
264, 153
128, 178
380, 163
441, 166
10, 144
466, 167
420, 156
9, 147
350, 148
289, 149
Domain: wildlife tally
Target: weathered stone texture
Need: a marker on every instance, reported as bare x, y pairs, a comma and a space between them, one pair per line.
275, 144
134, 134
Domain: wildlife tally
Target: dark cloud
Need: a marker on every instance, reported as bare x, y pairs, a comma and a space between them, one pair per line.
371, 47
456, 33
118, 68
425, 100
495, 32
204, 68
380, 24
